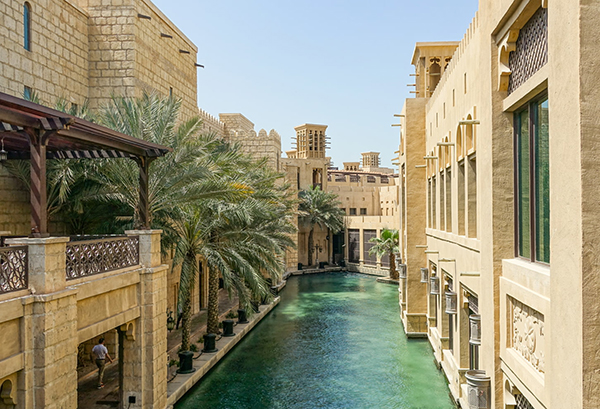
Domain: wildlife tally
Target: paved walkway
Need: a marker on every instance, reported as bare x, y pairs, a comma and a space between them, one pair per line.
91, 398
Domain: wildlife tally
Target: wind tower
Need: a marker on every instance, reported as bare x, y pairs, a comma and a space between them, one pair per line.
311, 141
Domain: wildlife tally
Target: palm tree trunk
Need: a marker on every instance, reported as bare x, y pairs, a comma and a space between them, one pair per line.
393, 272
310, 246
186, 323
212, 321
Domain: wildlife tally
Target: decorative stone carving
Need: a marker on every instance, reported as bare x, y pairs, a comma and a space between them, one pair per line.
528, 333
8, 391
506, 46
129, 330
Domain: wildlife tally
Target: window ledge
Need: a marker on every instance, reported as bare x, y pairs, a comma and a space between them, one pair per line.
533, 86
463, 241
533, 276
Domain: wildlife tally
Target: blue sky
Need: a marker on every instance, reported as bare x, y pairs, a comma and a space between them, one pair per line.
344, 64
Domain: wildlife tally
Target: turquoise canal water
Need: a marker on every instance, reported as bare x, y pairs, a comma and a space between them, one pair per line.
334, 341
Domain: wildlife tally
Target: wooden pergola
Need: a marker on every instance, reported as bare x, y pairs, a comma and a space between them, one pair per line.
37, 133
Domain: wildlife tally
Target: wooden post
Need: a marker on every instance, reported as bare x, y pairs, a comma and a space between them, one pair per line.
144, 203
38, 199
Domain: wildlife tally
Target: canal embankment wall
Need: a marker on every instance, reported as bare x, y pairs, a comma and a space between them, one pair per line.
182, 383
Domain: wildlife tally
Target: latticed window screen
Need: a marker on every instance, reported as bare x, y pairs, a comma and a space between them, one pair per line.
531, 51
368, 258
354, 245
522, 402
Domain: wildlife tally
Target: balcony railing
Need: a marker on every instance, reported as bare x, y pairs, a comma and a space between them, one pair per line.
89, 257
13, 269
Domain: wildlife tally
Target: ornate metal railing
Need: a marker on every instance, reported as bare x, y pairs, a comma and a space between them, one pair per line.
88, 257
13, 269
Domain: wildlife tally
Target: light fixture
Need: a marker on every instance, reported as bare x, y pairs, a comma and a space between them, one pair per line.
3, 153
170, 321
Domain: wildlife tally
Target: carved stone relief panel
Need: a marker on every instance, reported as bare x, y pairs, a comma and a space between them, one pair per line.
527, 333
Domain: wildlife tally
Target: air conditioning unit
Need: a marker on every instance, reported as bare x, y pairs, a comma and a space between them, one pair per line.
424, 274
475, 332
402, 270
451, 302
478, 389
434, 287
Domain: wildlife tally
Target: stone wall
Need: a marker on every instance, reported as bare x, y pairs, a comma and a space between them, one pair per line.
14, 212
57, 65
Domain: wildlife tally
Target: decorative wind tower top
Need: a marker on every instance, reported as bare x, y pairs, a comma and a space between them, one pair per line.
311, 141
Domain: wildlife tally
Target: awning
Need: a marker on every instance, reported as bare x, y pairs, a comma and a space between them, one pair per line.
35, 132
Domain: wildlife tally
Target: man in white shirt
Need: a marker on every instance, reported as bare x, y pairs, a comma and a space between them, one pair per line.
100, 354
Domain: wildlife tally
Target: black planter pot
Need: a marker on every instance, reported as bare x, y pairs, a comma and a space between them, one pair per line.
254, 306
210, 343
228, 328
186, 362
242, 316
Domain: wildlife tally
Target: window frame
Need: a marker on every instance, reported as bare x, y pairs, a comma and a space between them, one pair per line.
533, 124
27, 26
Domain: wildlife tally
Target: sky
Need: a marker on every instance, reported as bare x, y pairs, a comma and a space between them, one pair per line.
345, 64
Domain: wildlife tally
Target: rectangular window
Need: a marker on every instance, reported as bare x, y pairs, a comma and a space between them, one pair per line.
363, 211
532, 181
354, 245
369, 259
353, 211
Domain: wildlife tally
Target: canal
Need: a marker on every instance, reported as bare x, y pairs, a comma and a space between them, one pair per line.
334, 341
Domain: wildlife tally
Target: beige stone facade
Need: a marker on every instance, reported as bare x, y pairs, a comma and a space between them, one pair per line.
41, 326
92, 49
497, 161
369, 197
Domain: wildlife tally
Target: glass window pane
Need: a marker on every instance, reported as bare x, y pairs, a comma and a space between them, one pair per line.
26, 27
523, 184
542, 184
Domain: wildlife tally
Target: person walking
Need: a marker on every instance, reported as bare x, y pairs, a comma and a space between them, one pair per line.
100, 354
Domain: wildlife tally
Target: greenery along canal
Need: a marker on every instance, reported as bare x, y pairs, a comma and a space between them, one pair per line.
334, 341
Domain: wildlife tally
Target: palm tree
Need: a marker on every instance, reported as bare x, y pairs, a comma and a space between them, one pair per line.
188, 174
189, 231
245, 240
387, 244
321, 208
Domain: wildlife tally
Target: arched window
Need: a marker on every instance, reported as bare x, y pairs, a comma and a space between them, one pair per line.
27, 26
459, 144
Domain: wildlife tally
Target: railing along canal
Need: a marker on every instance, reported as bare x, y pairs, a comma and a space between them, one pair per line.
13, 269
89, 257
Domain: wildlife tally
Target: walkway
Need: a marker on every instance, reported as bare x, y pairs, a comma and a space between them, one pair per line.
91, 398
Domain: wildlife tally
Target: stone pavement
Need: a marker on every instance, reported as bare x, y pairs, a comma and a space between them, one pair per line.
89, 397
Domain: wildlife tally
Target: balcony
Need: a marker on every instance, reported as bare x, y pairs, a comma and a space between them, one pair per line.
84, 256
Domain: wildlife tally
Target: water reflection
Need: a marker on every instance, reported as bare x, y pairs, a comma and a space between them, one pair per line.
335, 341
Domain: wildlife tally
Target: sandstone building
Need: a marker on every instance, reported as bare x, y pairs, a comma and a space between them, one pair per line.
498, 211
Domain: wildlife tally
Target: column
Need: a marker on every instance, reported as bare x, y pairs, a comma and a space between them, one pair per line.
145, 339
51, 343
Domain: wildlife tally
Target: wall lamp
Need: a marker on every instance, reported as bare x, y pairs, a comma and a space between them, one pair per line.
3, 153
